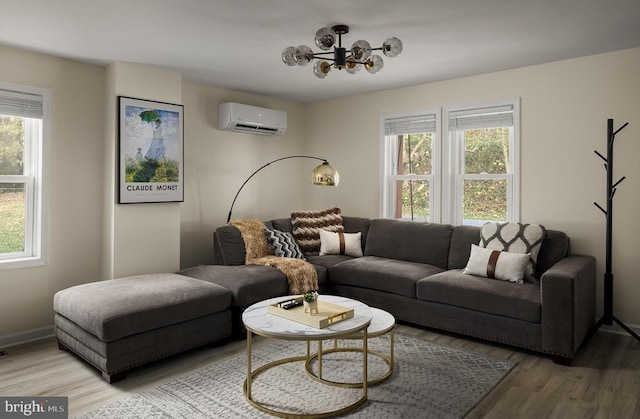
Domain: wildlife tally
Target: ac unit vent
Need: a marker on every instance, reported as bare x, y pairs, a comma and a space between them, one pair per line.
251, 128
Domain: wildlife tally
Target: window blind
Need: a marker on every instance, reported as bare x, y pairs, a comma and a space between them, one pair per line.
487, 117
20, 104
410, 125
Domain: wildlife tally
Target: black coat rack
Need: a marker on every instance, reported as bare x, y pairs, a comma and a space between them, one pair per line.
608, 318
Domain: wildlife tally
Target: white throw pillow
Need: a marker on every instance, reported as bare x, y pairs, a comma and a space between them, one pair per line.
340, 243
490, 263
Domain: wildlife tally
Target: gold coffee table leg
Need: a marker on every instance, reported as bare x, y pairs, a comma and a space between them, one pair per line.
388, 359
248, 383
251, 375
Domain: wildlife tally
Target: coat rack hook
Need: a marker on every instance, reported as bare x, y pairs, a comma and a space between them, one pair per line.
601, 209
620, 129
618, 182
600, 155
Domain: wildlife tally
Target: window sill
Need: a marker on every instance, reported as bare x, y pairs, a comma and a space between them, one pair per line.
22, 263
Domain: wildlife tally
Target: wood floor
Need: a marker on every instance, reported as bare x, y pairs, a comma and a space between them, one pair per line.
603, 382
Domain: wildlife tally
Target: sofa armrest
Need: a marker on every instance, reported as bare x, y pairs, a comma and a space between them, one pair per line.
568, 295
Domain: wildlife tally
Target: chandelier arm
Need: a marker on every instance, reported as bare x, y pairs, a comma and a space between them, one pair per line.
262, 167
323, 53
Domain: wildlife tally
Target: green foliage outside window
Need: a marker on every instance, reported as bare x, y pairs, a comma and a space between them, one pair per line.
11, 145
485, 200
415, 158
486, 151
12, 208
12, 198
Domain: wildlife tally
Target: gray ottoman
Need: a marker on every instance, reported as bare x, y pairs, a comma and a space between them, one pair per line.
118, 324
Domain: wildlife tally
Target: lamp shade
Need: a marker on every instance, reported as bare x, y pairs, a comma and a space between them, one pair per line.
325, 175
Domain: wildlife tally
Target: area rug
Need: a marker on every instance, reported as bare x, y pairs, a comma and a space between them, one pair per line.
430, 380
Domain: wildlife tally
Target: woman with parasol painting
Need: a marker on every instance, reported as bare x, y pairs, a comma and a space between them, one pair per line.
157, 148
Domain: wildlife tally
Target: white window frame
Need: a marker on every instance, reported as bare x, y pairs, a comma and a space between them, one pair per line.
389, 160
454, 176
36, 133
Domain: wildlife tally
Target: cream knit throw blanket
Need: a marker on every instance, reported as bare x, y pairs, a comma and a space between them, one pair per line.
301, 275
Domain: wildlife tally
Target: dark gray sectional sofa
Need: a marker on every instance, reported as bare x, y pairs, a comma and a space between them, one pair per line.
414, 271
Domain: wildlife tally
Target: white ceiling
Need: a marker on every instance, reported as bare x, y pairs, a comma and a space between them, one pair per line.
237, 44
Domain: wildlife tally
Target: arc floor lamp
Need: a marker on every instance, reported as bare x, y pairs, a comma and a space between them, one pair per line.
322, 175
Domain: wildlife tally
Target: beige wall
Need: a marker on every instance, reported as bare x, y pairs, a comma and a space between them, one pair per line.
144, 238
73, 176
219, 161
564, 108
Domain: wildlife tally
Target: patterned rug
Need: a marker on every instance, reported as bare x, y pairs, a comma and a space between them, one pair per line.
430, 380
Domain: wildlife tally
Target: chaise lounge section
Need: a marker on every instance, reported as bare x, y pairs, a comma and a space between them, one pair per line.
119, 324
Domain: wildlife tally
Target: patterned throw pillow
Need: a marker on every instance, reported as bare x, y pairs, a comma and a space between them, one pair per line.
306, 226
515, 238
489, 263
283, 244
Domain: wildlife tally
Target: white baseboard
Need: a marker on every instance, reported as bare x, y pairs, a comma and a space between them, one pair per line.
25, 337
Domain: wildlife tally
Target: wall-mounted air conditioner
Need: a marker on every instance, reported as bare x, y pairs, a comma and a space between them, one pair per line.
251, 119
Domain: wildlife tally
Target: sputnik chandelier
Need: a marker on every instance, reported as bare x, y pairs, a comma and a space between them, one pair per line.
360, 54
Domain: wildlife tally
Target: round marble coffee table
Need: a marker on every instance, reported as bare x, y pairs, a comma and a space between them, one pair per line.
257, 321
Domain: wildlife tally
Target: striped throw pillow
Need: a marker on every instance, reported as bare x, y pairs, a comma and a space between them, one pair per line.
283, 244
306, 226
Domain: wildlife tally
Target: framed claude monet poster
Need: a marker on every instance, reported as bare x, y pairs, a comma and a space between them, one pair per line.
151, 149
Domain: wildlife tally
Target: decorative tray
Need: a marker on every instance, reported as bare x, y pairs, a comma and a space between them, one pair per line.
327, 314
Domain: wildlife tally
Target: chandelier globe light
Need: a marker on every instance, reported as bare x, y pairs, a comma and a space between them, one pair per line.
351, 60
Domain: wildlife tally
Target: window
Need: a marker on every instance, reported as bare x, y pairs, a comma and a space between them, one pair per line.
22, 118
474, 179
411, 167
483, 176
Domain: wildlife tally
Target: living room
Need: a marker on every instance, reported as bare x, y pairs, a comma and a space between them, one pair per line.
564, 106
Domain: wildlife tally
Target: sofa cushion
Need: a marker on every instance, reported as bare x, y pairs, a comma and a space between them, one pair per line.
248, 283
305, 226
518, 301
461, 240
554, 247
382, 274
282, 224
410, 241
230, 245
327, 261
357, 225
122, 307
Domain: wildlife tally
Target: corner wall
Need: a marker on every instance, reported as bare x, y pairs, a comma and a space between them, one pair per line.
219, 161
140, 238
73, 193
564, 111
